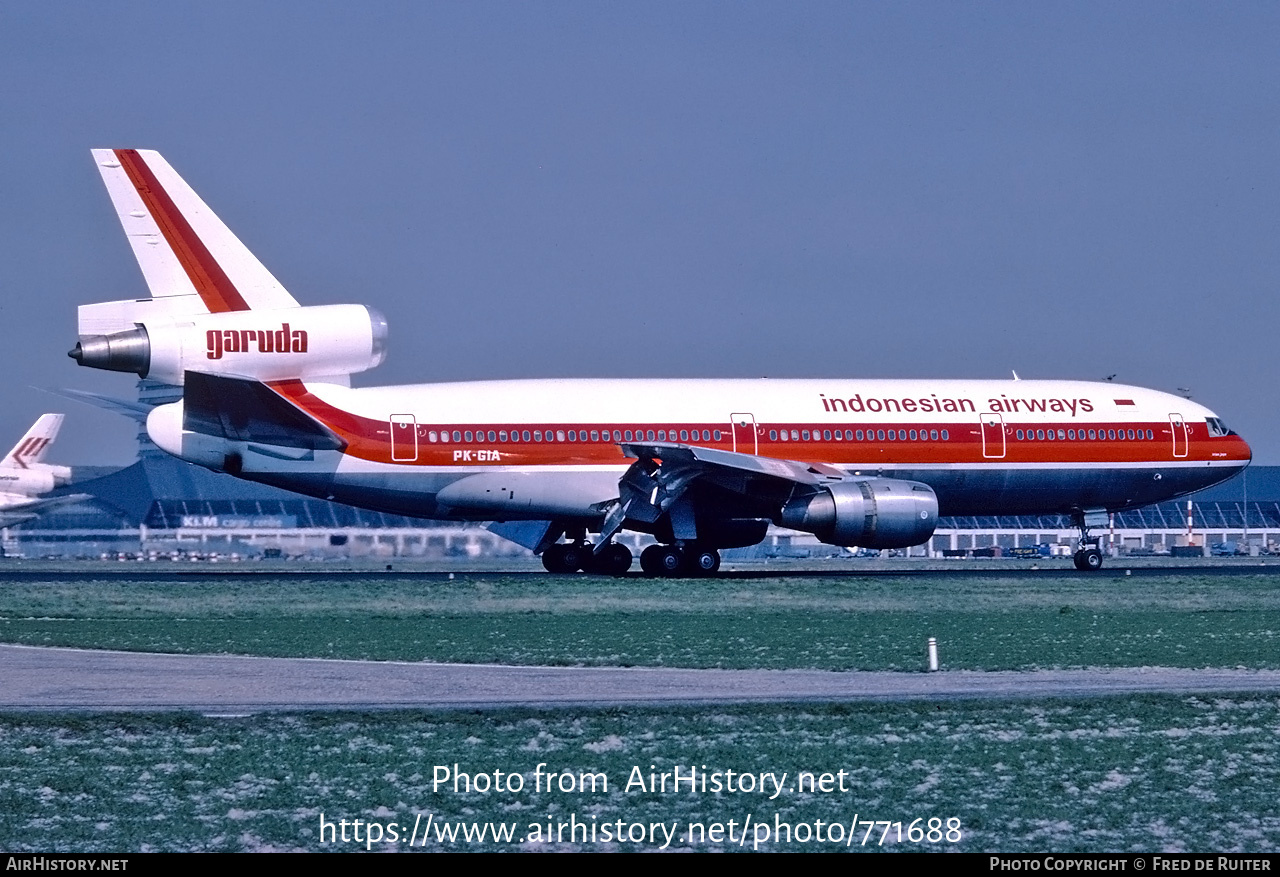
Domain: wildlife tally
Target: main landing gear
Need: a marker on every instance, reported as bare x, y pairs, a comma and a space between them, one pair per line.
676, 560
1088, 557
567, 557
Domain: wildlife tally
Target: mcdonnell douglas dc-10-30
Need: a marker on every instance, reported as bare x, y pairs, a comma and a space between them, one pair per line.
562, 466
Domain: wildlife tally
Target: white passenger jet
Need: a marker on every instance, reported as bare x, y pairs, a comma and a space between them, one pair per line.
563, 465
23, 477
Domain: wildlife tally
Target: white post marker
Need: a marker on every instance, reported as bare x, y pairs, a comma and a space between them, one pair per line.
933, 655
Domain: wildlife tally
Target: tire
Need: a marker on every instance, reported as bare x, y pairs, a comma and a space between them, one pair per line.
554, 559
649, 560
1088, 560
577, 556
670, 561
617, 559
703, 561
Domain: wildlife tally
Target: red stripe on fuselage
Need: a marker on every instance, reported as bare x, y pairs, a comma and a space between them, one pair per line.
369, 439
216, 290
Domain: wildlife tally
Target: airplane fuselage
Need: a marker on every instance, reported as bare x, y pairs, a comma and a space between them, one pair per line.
554, 448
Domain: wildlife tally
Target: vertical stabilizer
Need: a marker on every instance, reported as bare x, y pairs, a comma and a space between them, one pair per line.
30, 450
188, 256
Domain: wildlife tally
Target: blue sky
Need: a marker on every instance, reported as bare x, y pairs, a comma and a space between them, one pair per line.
683, 189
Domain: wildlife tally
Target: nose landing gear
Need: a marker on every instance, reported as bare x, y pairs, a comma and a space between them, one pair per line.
1088, 557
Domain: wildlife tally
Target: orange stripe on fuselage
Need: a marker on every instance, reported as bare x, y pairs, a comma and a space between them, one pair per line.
216, 290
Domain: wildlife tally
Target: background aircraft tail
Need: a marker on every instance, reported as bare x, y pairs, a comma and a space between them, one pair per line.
30, 449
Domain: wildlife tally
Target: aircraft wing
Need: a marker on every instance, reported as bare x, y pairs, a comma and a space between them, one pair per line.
663, 474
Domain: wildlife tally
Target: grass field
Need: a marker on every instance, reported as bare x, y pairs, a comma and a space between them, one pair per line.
877, 622
1146, 774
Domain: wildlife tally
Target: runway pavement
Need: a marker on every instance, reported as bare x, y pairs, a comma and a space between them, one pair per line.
34, 678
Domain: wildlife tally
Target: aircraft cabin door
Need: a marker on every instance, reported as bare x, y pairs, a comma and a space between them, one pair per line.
992, 436
1180, 442
404, 438
744, 433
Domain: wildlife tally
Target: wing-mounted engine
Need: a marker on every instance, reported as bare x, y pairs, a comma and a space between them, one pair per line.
666, 492
149, 339
868, 513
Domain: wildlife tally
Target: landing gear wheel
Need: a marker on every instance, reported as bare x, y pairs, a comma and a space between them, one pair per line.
703, 561
1088, 560
554, 559
612, 560
617, 559
649, 560
661, 560
577, 555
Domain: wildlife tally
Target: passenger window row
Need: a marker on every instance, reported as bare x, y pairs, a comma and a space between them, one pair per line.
462, 436
850, 435
1112, 435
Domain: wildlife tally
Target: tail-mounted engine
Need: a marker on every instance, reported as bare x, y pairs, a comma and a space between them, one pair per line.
268, 345
874, 513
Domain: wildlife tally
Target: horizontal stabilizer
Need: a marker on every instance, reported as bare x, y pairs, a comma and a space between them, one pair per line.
245, 410
130, 408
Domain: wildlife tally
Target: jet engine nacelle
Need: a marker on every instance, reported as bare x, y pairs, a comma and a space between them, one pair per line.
872, 513
269, 345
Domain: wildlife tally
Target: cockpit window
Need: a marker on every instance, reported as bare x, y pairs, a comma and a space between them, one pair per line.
1216, 426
